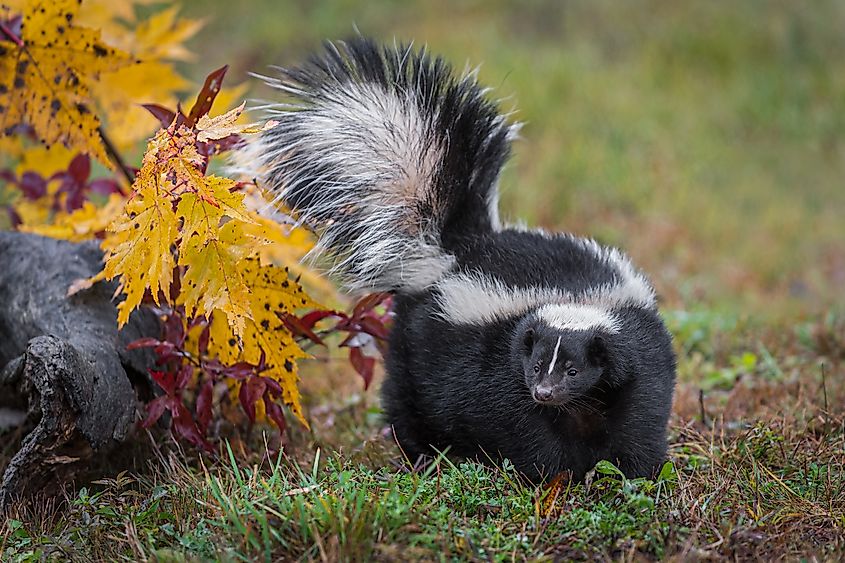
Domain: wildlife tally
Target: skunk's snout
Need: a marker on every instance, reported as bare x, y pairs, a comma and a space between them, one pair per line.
542, 394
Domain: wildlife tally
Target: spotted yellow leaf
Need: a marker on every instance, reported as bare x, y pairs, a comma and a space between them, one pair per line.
212, 278
273, 295
138, 248
286, 246
213, 128
43, 160
156, 42
202, 210
46, 77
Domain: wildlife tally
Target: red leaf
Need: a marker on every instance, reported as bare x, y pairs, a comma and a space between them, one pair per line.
80, 168
165, 380
367, 303
174, 330
166, 351
272, 386
184, 426
105, 186
204, 403
164, 115
211, 148
312, 318
298, 328
33, 185
240, 370
274, 411
364, 365
373, 326
251, 390
202, 342
205, 98
155, 409
143, 343
183, 376
262, 362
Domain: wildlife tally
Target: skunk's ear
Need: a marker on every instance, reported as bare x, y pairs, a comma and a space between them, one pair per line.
528, 340
597, 352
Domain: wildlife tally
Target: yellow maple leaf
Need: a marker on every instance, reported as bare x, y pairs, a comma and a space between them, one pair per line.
202, 210
273, 295
156, 42
103, 14
121, 93
229, 96
212, 279
162, 36
82, 224
44, 160
213, 128
45, 78
10, 149
222, 276
138, 248
286, 245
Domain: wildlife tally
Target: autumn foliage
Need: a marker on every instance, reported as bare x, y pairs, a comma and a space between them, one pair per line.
82, 82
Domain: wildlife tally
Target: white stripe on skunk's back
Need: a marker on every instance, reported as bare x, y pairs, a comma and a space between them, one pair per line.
577, 316
478, 299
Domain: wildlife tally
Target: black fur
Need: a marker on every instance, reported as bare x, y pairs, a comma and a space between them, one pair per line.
464, 387
540, 393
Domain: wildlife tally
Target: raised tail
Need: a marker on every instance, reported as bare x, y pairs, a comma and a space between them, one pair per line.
388, 156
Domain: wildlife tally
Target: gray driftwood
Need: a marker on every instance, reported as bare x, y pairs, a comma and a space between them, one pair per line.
65, 377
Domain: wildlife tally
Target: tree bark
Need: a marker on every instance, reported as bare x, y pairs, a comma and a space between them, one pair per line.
65, 374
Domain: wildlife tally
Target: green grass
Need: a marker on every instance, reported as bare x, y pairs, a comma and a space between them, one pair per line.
708, 140
756, 470
338, 508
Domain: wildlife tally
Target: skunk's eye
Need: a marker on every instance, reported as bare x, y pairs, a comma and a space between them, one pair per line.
537, 367
572, 372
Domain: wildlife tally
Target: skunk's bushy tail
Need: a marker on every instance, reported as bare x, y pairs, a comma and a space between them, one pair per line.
388, 155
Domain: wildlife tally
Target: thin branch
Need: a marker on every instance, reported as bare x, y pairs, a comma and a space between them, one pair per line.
115, 156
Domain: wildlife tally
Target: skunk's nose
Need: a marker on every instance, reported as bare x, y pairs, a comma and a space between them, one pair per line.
542, 394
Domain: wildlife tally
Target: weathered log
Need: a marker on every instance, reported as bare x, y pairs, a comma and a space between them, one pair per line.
64, 369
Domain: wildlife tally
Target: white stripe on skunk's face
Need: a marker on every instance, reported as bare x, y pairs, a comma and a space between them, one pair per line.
554, 356
562, 367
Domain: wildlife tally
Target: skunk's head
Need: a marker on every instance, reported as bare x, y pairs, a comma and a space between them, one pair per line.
564, 352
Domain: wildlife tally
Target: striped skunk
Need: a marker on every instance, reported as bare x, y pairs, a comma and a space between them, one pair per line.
545, 349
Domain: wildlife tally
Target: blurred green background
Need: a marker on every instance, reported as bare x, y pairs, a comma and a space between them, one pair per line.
705, 138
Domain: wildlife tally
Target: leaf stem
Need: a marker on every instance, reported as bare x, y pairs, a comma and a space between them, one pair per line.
115, 156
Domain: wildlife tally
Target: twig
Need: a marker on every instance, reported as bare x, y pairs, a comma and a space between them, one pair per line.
824, 388
115, 156
701, 406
